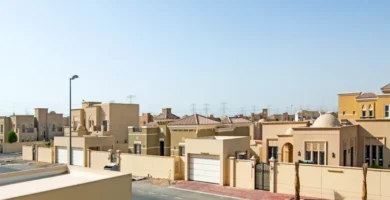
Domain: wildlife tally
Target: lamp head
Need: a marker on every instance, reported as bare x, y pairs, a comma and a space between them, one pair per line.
74, 77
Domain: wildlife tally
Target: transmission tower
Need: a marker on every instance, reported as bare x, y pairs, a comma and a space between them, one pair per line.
206, 109
223, 108
193, 107
130, 98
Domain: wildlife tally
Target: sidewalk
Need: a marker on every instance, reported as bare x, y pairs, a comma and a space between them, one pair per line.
230, 191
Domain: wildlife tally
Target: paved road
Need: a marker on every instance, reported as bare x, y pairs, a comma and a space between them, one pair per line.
10, 156
146, 191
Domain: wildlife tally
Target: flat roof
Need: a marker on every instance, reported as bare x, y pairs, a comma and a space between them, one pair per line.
73, 176
218, 138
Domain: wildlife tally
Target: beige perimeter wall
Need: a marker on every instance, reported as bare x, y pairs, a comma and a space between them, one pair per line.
244, 174
143, 165
98, 159
17, 147
333, 182
27, 153
45, 154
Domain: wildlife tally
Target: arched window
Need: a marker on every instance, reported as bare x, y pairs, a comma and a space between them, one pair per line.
370, 111
363, 111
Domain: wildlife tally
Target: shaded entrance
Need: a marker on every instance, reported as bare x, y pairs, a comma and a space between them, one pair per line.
287, 153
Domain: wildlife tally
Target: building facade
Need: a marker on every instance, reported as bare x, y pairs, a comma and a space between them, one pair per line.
104, 119
358, 105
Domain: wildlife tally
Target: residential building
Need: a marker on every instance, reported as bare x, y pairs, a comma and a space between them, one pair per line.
358, 105
48, 124
5, 126
145, 118
104, 119
195, 126
256, 117
23, 125
281, 117
153, 138
304, 115
328, 142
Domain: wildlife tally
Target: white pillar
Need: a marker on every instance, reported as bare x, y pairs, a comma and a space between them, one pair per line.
273, 175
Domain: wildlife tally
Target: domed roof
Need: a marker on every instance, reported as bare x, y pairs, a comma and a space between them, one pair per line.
289, 131
326, 121
262, 120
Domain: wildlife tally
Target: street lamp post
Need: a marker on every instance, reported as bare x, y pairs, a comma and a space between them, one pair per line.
70, 116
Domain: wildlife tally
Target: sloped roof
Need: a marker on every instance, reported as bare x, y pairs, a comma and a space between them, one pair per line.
386, 87
153, 123
164, 116
366, 95
194, 119
235, 120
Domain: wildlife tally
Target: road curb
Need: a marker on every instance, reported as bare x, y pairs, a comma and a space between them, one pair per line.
171, 187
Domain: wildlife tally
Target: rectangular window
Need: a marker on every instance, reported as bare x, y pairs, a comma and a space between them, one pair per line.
363, 113
308, 155
373, 158
137, 148
351, 156
322, 158
273, 152
387, 111
182, 151
371, 113
380, 155
345, 157
315, 157
367, 154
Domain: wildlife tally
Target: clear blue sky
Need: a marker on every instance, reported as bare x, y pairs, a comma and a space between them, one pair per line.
175, 53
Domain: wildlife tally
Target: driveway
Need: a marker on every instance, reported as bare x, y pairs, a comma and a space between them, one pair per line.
230, 191
145, 191
10, 156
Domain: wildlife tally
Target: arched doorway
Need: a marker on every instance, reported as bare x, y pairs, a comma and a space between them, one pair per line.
287, 153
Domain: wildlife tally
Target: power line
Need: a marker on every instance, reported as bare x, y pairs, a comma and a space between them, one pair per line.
130, 98
206, 109
193, 108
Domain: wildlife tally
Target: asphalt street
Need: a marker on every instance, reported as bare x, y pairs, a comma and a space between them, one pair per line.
146, 191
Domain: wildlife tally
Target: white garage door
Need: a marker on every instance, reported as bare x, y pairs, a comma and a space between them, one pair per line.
61, 155
205, 168
78, 157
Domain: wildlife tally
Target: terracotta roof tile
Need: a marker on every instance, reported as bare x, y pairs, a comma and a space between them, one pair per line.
163, 116
153, 123
194, 119
386, 87
366, 95
235, 120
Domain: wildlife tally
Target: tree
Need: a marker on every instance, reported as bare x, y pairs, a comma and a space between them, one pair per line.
297, 182
12, 137
364, 189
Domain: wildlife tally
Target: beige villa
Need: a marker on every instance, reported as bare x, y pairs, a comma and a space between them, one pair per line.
328, 142
104, 119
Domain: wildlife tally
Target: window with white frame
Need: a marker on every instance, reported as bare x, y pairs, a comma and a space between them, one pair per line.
363, 111
387, 111
370, 111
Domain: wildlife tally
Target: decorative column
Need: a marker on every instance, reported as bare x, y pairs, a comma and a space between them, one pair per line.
118, 159
232, 163
253, 171
109, 155
273, 175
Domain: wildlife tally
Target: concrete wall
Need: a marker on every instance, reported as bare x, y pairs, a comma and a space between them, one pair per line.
45, 154
329, 182
17, 147
98, 159
27, 152
116, 187
244, 176
144, 165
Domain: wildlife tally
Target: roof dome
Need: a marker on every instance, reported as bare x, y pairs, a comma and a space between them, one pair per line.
289, 131
326, 121
262, 120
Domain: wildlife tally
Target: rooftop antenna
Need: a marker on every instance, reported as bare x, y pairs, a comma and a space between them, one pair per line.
130, 98
242, 110
223, 108
206, 109
193, 106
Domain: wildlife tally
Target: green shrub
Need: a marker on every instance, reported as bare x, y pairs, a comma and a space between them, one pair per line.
12, 137
375, 166
47, 144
